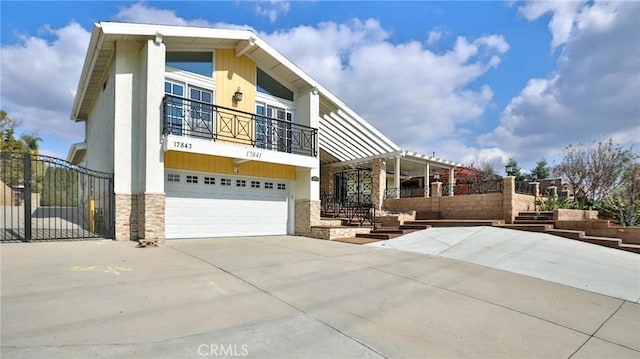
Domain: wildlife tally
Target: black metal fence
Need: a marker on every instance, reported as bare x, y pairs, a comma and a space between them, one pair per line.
478, 187
524, 187
46, 198
185, 117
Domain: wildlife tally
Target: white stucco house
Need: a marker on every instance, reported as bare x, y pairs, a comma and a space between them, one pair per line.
212, 132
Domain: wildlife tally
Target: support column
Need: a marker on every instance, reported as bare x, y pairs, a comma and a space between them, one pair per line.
307, 190
427, 185
151, 199
396, 177
436, 189
126, 134
508, 196
379, 179
452, 182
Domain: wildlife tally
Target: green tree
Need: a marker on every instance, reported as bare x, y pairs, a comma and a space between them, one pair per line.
542, 170
60, 187
30, 142
8, 141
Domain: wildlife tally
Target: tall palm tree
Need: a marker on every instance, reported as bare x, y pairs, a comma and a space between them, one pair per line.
31, 142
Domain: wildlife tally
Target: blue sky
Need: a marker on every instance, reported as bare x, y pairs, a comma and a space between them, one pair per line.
471, 81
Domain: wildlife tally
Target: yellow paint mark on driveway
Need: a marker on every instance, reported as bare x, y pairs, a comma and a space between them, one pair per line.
107, 269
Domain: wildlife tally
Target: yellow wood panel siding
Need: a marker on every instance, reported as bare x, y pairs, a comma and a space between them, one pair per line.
232, 73
215, 164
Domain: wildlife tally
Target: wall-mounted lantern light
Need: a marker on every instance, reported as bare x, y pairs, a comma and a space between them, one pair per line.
237, 96
436, 177
509, 170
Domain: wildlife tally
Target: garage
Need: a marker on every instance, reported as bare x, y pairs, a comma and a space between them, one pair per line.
217, 205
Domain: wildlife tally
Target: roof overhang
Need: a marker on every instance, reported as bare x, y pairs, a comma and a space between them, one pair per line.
77, 153
411, 163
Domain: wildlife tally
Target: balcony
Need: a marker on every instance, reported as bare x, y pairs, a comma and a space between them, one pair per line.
205, 121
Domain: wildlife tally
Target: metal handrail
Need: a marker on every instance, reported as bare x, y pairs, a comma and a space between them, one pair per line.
192, 118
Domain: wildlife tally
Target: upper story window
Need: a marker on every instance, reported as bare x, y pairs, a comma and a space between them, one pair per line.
197, 62
269, 85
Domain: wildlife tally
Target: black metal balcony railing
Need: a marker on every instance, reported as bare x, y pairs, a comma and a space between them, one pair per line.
185, 117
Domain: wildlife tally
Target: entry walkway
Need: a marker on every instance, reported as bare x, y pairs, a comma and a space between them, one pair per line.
292, 297
577, 264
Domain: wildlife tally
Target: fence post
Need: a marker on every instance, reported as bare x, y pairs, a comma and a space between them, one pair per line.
27, 196
508, 196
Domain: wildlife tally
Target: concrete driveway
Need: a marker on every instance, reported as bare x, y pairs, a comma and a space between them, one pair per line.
281, 297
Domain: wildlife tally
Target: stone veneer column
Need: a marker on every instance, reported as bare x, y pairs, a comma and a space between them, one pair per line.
379, 182
326, 180
126, 217
151, 211
508, 196
307, 215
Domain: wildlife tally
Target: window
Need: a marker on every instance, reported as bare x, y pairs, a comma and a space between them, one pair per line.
173, 107
200, 63
225, 181
192, 179
209, 180
171, 177
241, 183
269, 85
268, 185
282, 186
255, 184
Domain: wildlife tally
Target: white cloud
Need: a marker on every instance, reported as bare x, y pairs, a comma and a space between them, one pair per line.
143, 13
415, 96
594, 94
564, 14
272, 8
434, 37
39, 78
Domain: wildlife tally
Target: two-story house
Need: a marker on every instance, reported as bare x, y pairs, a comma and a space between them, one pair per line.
212, 132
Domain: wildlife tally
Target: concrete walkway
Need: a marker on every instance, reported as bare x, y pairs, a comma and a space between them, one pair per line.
282, 297
566, 261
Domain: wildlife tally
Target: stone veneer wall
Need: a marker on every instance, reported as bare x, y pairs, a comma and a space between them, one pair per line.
503, 206
574, 214
523, 203
126, 217
478, 206
332, 233
151, 215
6, 195
326, 179
379, 182
307, 214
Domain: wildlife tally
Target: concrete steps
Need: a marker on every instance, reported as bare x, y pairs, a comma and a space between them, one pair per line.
455, 222
534, 218
539, 222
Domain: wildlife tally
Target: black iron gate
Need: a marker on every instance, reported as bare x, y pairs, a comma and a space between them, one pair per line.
46, 198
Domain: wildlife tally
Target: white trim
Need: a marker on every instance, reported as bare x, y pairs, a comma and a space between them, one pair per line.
236, 151
174, 74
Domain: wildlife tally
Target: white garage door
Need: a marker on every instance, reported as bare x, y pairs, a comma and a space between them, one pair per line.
210, 205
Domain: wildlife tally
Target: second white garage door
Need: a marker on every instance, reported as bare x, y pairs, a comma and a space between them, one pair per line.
209, 205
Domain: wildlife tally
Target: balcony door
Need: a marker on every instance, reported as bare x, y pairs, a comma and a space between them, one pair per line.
202, 113
273, 127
